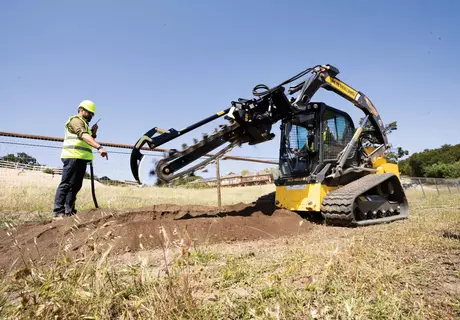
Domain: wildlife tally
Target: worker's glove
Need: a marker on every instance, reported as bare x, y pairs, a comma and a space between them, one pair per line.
103, 153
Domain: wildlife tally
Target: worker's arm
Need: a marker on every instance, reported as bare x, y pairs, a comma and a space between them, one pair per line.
93, 143
77, 127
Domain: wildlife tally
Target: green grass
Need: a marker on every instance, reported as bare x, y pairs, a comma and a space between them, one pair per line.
403, 270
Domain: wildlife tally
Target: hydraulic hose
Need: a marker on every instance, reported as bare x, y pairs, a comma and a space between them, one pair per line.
93, 191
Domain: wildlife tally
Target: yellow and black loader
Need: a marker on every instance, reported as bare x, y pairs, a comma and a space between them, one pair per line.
326, 165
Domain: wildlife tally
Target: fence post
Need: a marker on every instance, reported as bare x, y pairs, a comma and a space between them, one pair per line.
218, 184
421, 186
436, 185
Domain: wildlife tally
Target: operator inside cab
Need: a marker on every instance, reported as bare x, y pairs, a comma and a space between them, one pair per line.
310, 143
309, 146
307, 151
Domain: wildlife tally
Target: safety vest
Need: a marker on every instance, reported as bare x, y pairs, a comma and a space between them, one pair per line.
73, 146
312, 147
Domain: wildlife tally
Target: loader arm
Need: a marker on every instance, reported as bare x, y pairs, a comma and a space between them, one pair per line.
250, 122
325, 77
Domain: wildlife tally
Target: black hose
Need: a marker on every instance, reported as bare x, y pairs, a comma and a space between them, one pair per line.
93, 191
256, 91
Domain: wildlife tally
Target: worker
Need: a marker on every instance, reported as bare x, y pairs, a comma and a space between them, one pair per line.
328, 136
76, 154
309, 145
310, 140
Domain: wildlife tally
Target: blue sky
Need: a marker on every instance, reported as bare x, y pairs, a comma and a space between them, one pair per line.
171, 63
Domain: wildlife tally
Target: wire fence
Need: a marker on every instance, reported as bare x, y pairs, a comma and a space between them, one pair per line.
426, 186
116, 170
21, 167
48, 166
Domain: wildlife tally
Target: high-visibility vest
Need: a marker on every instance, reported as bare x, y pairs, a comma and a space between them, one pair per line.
73, 146
312, 147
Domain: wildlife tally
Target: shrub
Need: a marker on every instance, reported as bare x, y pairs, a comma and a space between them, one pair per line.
48, 170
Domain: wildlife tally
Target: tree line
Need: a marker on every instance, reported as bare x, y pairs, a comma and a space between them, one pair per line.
443, 162
21, 157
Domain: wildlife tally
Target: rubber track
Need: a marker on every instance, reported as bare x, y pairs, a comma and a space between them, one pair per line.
337, 206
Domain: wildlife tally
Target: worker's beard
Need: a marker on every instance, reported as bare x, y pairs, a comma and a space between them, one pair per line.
87, 118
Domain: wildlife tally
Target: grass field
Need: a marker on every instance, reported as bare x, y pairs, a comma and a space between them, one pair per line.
403, 270
32, 201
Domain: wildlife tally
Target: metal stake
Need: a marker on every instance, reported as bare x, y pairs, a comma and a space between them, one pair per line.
219, 201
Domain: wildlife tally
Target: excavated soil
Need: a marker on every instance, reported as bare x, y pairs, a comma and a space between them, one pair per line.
142, 229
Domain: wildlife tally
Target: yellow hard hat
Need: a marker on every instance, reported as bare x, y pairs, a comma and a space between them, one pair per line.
88, 106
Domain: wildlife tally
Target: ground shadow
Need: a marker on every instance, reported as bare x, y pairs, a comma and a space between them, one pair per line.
313, 217
265, 205
256, 207
451, 235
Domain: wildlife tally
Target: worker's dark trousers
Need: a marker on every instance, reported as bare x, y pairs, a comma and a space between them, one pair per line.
72, 180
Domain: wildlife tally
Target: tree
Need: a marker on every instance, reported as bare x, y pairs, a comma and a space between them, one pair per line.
21, 157
392, 154
443, 170
244, 172
274, 171
443, 162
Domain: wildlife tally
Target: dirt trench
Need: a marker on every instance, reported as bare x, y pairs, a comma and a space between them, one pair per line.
142, 229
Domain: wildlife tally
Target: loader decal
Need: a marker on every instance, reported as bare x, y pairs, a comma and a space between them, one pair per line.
342, 87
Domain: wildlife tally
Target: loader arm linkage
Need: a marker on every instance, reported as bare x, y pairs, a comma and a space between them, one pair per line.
250, 121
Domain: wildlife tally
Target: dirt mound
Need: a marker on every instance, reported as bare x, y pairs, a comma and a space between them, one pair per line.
146, 228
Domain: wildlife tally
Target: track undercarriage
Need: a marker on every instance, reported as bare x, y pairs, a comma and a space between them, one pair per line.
372, 199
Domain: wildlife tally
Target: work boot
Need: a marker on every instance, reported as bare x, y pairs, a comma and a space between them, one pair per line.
59, 216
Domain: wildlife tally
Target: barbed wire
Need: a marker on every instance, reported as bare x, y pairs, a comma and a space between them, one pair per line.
111, 151
60, 147
30, 144
422, 184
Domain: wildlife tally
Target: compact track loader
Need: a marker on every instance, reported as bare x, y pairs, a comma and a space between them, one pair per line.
326, 165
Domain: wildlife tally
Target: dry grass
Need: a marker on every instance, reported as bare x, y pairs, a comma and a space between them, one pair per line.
403, 270
37, 200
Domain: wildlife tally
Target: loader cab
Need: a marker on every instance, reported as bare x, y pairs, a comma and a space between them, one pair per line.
311, 139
